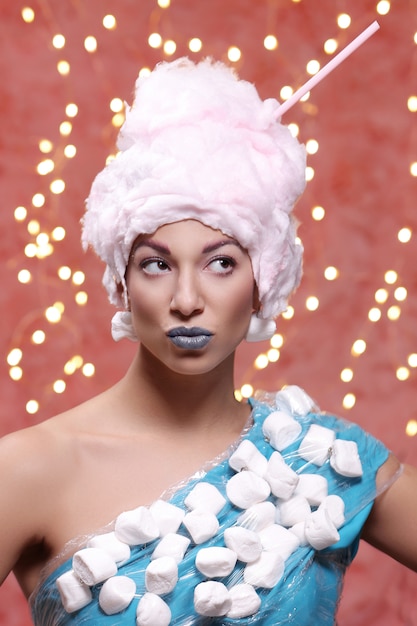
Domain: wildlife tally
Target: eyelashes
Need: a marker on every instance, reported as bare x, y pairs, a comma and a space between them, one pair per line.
154, 266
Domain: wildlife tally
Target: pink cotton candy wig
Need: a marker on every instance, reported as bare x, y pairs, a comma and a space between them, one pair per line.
198, 143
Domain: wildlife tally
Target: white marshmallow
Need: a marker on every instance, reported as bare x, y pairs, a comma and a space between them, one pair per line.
281, 429
136, 527
93, 565
281, 478
167, 516
118, 550
245, 543
248, 457
247, 488
75, 594
152, 611
205, 497
279, 539
245, 601
173, 545
257, 516
295, 400
294, 510
215, 562
320, 530
212, 599
201, 525
161, 575
345, 459
335, 507
313, 487
317, 444
116, 594
299, 530
266, 571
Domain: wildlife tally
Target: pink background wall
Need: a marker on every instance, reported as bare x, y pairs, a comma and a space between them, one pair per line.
367, 137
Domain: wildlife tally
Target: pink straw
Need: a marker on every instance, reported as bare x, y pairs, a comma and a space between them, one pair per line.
330, 66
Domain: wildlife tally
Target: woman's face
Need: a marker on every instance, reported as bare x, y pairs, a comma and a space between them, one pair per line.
191, 293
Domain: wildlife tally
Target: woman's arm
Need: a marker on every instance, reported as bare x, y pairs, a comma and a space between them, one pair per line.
392, 524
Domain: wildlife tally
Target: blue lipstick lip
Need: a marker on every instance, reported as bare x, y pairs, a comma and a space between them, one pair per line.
184, 331
193, 338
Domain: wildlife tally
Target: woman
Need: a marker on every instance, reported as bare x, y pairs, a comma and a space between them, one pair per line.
262, 504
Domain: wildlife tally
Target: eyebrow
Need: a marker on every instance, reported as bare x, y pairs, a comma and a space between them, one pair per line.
163, 249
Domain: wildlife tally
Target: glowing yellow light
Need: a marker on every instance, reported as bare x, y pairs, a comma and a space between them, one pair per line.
78, 278
42, 239
412, 104
38, 337
57, 186
78, 361
155, 40
413, 169
15, 356
32, 407
402, 373
412, 360
312, 67
20, 213
58, 42
294, 129
312, 146
400, 294
288, 313
318, 213
394, 313
90, 43
312, 303
234, 54
404, 235
344, 20
349, 401
271, 42
374, 314
116, 105
118, 119
359, 347
261, 361
277, 341
88, 370
70, 368
24, 277
109, 22
330, 46
53, 314
59, 386
44, 251
286, 92
63, 68
170, 47
246, 390
65, 128
331, 273
70, 151
390, 277
28, 14
16, 373
144, 71
381, 296
383, 7
309, 173
346, 375
58, 234
45, 146
38, 200
164, 4
34, 227
415, 37
45, 167
195, 44
64, 272
238, 395
411, 428
305, 97
81, 298
71, 109
273, 355
30, 250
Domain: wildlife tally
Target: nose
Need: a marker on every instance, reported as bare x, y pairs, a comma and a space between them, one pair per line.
187, 299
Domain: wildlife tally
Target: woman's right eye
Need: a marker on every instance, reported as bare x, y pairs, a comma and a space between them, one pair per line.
154, 266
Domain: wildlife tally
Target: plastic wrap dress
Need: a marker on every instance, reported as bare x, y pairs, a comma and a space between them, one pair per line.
307, 588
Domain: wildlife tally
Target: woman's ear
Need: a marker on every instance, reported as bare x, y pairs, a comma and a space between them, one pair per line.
123, 294
256, 303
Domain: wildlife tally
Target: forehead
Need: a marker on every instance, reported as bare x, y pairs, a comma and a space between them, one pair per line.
191, 232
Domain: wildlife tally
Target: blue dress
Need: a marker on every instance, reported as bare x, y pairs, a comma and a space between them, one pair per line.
308, 589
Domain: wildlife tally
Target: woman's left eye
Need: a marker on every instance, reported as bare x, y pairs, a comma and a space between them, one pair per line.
222, 265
